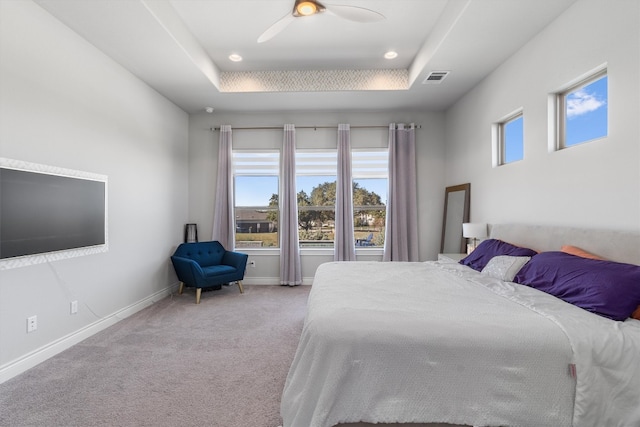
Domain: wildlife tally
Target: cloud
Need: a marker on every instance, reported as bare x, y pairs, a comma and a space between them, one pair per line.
581, 102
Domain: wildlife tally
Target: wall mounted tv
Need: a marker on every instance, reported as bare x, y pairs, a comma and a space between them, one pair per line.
44, 209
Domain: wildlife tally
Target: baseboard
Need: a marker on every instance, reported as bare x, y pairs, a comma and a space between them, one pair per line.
271, 280
38, 356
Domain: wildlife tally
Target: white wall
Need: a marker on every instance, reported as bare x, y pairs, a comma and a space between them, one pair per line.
203, 153
596, 184
64, 103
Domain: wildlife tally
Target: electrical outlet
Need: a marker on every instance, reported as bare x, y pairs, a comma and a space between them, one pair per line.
32, 323
252, 264
74, 307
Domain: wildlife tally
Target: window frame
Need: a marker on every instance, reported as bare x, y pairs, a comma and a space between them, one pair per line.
499, 138
247, 172
559, 100
358, 175
319, 172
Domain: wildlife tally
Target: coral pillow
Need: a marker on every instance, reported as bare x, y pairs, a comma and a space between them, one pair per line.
610, 289
487, 249
574, 250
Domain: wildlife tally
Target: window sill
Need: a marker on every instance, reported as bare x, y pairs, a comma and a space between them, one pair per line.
307, 251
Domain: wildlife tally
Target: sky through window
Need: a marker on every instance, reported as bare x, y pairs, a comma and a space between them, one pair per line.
586, 111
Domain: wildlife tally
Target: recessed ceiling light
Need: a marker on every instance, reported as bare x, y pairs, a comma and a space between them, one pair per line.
235, 57
391, 54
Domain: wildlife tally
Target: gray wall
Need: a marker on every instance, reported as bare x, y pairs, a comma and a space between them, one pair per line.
596, 184
65, 104
203, 153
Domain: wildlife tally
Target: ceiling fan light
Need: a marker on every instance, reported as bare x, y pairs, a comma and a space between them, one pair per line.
306, 8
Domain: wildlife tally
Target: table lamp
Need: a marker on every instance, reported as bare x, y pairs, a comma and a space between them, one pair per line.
475, 231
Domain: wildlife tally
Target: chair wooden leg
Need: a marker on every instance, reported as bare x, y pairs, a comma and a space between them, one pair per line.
240, 286
198, 292
181, 288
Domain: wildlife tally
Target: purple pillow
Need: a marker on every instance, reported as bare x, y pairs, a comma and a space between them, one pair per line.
610, 289
490, 248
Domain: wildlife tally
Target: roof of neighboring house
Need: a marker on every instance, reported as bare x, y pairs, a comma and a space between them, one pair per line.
251, 215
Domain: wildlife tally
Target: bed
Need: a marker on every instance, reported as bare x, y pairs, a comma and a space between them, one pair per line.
442, 342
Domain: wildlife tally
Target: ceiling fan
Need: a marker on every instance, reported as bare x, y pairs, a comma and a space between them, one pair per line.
303, 8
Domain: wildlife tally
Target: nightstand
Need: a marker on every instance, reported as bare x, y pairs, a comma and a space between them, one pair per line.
451, 257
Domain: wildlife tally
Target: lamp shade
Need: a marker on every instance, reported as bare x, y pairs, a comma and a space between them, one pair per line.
474, 230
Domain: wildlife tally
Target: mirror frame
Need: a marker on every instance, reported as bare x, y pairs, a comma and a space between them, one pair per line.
465, 215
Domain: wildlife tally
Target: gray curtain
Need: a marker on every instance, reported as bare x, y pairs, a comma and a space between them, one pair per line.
223, 209
401, 235
290, 269
344, 247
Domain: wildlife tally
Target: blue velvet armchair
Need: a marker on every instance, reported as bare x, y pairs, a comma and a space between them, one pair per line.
208, 265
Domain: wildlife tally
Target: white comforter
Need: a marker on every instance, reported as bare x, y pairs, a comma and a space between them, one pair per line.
439, 342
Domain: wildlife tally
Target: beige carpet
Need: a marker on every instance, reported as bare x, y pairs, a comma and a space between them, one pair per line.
221, 363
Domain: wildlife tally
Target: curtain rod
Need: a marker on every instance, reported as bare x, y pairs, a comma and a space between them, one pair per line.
306, 127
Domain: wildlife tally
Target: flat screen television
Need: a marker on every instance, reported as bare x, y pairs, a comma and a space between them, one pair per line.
46, 209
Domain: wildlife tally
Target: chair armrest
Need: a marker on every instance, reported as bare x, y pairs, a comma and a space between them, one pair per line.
187, 270
238, 260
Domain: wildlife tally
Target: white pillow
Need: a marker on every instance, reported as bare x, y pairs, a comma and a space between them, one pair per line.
505, 267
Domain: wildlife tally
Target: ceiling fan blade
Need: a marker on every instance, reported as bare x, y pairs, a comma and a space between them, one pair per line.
273, 30
354, 13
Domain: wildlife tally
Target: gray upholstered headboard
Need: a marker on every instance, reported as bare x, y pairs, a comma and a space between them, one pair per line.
621, 246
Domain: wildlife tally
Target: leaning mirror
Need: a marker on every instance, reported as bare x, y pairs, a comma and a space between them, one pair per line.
456, 212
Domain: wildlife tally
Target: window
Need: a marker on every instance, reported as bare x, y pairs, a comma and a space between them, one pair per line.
370, 187
316, 173
513, 144
583, 110
509, 139
256, 183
